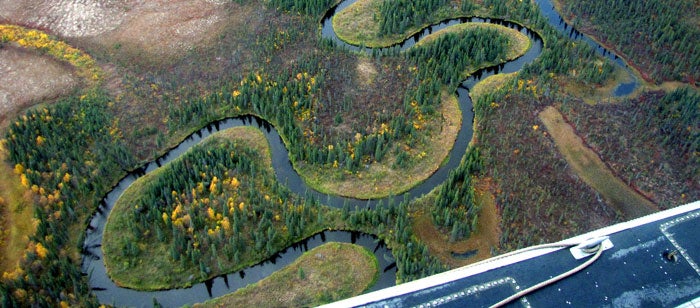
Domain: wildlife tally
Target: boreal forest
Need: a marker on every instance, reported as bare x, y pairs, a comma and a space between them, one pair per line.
149, 147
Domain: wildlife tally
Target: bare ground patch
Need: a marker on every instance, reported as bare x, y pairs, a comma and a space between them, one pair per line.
27, 77
156, 27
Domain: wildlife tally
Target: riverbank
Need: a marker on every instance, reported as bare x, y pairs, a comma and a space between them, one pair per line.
481, 244
379, 180
145, 261
312, 280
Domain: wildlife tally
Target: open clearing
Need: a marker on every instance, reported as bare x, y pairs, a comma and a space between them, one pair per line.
16, 213
157, 27
27, 77
591, 168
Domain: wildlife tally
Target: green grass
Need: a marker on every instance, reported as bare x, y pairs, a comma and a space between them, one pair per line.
594, 94
314, 279
356, 25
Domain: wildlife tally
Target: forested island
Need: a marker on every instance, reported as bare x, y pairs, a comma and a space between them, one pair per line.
117, 150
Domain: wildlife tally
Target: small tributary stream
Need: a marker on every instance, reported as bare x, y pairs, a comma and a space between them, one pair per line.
109, 293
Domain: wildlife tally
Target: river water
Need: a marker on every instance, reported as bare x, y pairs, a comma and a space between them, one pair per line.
109, 293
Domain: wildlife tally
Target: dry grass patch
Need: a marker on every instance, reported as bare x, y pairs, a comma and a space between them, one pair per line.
366, 71
327, 273
167, 28
356, 24
16, 216
586, 163
481, 242
490, 84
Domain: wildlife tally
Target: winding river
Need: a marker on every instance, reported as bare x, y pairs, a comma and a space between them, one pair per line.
109, 293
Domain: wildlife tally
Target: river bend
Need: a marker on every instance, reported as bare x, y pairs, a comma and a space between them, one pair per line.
108, 293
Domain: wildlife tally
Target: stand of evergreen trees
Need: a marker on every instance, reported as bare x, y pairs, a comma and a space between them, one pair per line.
677, 116
215, 209
447, 58
393, 224
454, 206
68, 155
397, 16
309, 7
658, 35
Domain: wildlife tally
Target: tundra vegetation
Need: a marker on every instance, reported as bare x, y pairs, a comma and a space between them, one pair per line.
340, 113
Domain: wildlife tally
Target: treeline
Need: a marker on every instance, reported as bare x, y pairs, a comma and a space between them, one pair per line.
561, 55
309, 7
659, 36
678, 118
392, 223
215, 209
577, 60
66, 156
454, 206
524, 11
397, 16
447, 58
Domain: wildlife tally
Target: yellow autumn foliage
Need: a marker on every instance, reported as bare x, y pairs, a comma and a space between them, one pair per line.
86, 66
41, 251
